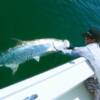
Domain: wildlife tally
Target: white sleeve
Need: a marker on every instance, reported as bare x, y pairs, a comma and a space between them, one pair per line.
77, 51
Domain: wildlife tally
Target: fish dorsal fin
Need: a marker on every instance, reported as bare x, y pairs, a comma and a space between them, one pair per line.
18, 41
13, 67
37, 58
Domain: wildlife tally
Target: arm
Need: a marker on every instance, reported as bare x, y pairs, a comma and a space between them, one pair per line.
71, 52
74, 51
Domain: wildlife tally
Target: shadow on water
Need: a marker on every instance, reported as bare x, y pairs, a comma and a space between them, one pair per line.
5, 77
32, 67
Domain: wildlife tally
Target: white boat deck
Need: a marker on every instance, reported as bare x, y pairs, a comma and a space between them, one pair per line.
51, 85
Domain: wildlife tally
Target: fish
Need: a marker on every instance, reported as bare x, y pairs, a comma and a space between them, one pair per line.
27, 50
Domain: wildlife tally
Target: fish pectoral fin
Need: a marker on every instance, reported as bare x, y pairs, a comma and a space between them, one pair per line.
37, 58
13, 67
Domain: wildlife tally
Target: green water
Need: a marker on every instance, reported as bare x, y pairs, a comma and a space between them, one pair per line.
34, 19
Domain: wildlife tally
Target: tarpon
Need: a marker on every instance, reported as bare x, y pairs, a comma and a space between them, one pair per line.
28, 50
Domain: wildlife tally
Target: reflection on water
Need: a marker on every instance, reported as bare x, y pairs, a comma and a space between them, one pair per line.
27, 20
89, 11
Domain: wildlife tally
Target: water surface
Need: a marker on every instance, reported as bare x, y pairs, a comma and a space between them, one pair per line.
34, 19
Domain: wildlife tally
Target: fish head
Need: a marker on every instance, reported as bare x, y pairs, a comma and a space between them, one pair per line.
61, 44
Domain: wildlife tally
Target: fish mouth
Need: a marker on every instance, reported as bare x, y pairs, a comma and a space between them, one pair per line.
66, 44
